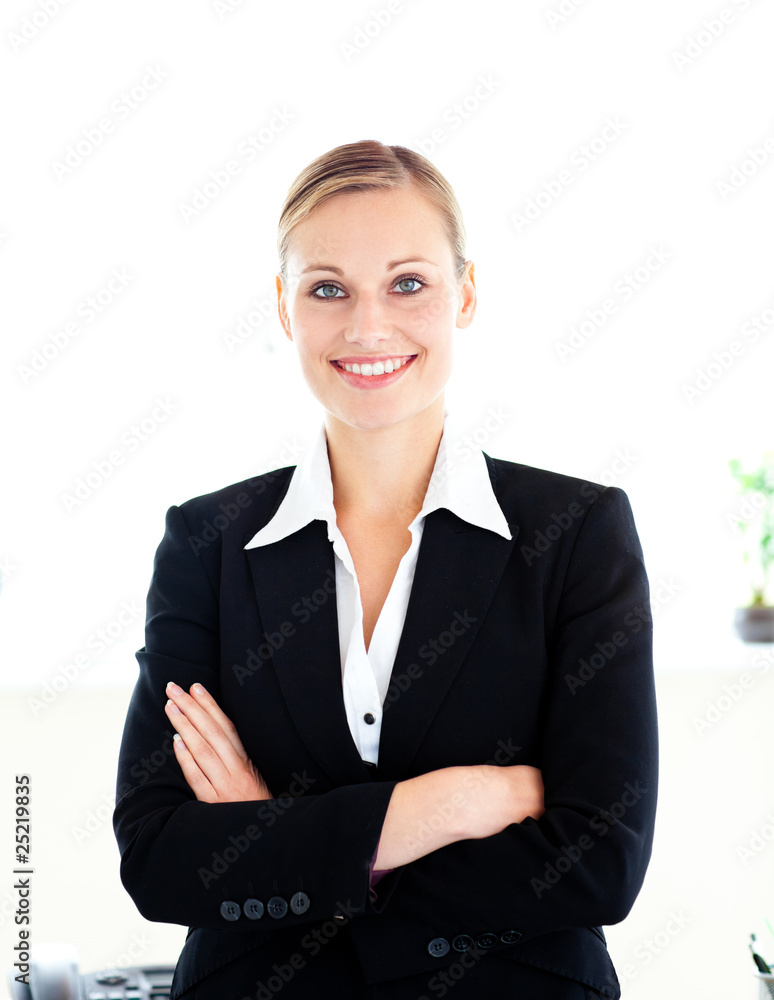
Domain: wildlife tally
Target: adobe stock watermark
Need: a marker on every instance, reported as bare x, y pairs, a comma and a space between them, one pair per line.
86, 311
441, 982
564, 11
229, 513
33, 23
268, 812
750, 506
370, 29
130, 956
311, 945
96, 643
7, 570
437, 820
225, 7
560, 521
120, 108
455, 115
246, 152
303, 610
623, 290
469, 444
634, 621
143, 769
579, 159
430, 651
755, 157
731, 695
246, 325
601, 823
727, 357
649, 949
128, 443
709, 31
95, 819
757, 842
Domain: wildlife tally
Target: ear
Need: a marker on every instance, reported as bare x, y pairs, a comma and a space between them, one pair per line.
282, 307
467, 293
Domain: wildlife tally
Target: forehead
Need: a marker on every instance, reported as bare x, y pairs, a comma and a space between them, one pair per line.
356, 226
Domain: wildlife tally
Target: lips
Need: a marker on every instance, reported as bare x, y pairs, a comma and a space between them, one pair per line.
374, 372
373, 366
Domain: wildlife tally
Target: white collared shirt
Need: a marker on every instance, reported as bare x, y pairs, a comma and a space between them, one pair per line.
460, 482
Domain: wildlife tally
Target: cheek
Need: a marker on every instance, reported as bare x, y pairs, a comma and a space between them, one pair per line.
432, 317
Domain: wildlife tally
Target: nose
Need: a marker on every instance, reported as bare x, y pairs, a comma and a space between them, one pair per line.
368, 325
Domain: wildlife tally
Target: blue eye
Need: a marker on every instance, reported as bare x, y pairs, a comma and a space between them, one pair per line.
325, 289
409, 291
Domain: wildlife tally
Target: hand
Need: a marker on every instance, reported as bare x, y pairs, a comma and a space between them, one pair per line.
499, 796
209, 751
464, 802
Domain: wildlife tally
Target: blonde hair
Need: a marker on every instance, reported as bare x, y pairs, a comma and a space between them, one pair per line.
364, 166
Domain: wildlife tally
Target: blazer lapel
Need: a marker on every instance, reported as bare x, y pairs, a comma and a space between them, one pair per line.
458, 569
295, 584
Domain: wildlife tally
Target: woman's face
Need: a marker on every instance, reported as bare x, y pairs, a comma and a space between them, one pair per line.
370, 281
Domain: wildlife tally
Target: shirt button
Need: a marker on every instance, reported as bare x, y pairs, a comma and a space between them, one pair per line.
369, 718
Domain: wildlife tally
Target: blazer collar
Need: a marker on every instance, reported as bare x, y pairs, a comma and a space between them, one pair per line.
297, 573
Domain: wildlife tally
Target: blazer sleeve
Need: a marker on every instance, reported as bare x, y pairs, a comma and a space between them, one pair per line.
583, 862
181, 859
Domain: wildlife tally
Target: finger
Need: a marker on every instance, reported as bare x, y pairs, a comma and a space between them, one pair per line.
197, 782
202, 697
208, 725
206, 757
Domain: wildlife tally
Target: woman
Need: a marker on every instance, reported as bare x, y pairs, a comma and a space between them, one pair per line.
394, 732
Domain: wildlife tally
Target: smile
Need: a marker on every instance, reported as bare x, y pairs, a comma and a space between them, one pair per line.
382, 367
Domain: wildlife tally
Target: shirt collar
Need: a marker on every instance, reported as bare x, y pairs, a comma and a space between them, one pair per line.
460, 482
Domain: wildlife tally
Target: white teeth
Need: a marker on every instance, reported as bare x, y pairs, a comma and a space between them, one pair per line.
377, 368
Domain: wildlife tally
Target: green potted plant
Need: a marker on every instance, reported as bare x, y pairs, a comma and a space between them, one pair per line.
755, 622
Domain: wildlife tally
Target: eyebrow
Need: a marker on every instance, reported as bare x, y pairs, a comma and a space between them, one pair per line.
391, 265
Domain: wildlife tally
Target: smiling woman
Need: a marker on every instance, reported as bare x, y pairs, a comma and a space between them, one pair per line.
318, 836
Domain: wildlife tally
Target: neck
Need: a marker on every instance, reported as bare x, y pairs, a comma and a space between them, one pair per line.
384, 473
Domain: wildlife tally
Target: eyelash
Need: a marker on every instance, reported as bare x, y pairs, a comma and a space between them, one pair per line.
335, 298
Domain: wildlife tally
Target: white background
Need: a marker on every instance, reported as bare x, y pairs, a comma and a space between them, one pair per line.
689, 98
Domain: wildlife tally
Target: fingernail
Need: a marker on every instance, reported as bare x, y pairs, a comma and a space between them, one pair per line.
174, 688
177, 738
173, 708
198, 689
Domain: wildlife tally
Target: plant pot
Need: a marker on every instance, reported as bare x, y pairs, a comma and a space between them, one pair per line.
755, 623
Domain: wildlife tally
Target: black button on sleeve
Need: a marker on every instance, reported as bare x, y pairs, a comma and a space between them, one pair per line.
438, 947
487, 940
230, 910
300, 903
511, 937
462, 942
253, 909
277, 907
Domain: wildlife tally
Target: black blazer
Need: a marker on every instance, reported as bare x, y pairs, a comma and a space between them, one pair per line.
534, 650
